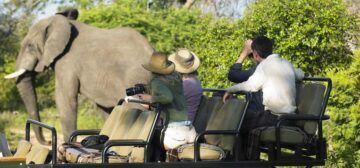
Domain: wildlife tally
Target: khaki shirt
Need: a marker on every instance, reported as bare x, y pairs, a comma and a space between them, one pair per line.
168, 91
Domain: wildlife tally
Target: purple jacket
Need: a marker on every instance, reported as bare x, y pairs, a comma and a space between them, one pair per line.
192, 92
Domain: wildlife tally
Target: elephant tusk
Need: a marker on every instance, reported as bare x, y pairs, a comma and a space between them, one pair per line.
15, 74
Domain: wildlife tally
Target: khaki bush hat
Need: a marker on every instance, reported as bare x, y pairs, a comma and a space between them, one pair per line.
185, 61
159, 64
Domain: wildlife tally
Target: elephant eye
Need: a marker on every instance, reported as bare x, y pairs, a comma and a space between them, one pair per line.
31, 47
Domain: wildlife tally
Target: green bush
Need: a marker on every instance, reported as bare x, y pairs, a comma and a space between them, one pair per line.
9, 97
343, 130
313, 34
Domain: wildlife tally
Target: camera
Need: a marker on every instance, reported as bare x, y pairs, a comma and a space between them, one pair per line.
138, 88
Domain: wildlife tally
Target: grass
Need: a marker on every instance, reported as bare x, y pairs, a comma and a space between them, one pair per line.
12, 124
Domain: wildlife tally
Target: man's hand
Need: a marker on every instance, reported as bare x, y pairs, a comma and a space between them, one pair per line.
226, 96
144, 97
247, 47
245, 52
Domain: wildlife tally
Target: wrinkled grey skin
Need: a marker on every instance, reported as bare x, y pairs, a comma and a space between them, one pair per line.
97, 63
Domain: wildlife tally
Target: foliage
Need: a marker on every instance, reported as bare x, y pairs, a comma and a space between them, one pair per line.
16, 17
343, 130
312, 34
313, 39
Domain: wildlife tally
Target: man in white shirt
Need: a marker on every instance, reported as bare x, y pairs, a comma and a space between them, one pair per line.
276, 77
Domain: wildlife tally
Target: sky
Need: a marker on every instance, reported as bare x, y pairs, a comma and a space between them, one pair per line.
50, 9
235, 8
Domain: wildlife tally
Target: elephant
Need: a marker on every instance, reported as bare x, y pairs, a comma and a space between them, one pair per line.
97, 63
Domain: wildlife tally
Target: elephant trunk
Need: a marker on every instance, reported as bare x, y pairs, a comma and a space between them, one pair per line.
26, 87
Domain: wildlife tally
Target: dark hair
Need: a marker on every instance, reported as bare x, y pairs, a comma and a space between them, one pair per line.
262, 45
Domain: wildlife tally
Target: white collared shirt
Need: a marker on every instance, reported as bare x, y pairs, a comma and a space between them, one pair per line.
276, 77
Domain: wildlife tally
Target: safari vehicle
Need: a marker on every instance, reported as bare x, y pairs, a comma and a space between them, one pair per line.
217, 143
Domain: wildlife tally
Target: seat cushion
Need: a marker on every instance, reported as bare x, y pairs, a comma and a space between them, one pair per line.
23, 148
87, 155
37, 155
207, 152
288, 135
137, 155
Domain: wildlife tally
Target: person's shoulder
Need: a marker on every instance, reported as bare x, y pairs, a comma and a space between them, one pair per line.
191, 81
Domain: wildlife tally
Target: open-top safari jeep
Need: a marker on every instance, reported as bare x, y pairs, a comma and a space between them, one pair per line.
218, 124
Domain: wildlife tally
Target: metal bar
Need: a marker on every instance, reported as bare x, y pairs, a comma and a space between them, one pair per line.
53, 136
204, 164
151, 134
128, 142
82, 132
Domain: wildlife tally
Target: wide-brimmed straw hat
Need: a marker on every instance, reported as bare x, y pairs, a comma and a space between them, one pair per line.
185, 61
159, 64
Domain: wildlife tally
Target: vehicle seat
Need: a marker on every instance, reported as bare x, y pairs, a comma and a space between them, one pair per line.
311, 102
122, 124
227, 117
29, 153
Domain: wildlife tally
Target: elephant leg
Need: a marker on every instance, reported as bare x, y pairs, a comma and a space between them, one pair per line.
66, 102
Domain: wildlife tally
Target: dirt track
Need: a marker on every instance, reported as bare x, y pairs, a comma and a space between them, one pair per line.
21, 133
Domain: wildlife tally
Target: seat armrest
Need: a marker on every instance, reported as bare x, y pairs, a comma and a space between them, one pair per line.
325, 117
216, 132
300, 117
125, 142
83, 132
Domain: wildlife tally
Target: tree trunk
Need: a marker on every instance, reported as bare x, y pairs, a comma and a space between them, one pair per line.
188, 4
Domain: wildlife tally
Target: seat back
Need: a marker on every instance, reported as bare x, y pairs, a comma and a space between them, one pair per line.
207, 106
140, 129
125, 123
228, 117
115, 123
310, 100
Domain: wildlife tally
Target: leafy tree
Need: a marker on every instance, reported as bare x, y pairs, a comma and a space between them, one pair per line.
16, 16
343, 130
313, 34
313, 39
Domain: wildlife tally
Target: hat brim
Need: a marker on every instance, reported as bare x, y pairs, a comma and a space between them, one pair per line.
164, 71
182, 69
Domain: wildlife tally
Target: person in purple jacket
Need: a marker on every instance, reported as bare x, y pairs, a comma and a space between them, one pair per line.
187, 63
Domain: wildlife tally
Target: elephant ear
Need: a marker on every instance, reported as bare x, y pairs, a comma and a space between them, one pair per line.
57, 36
